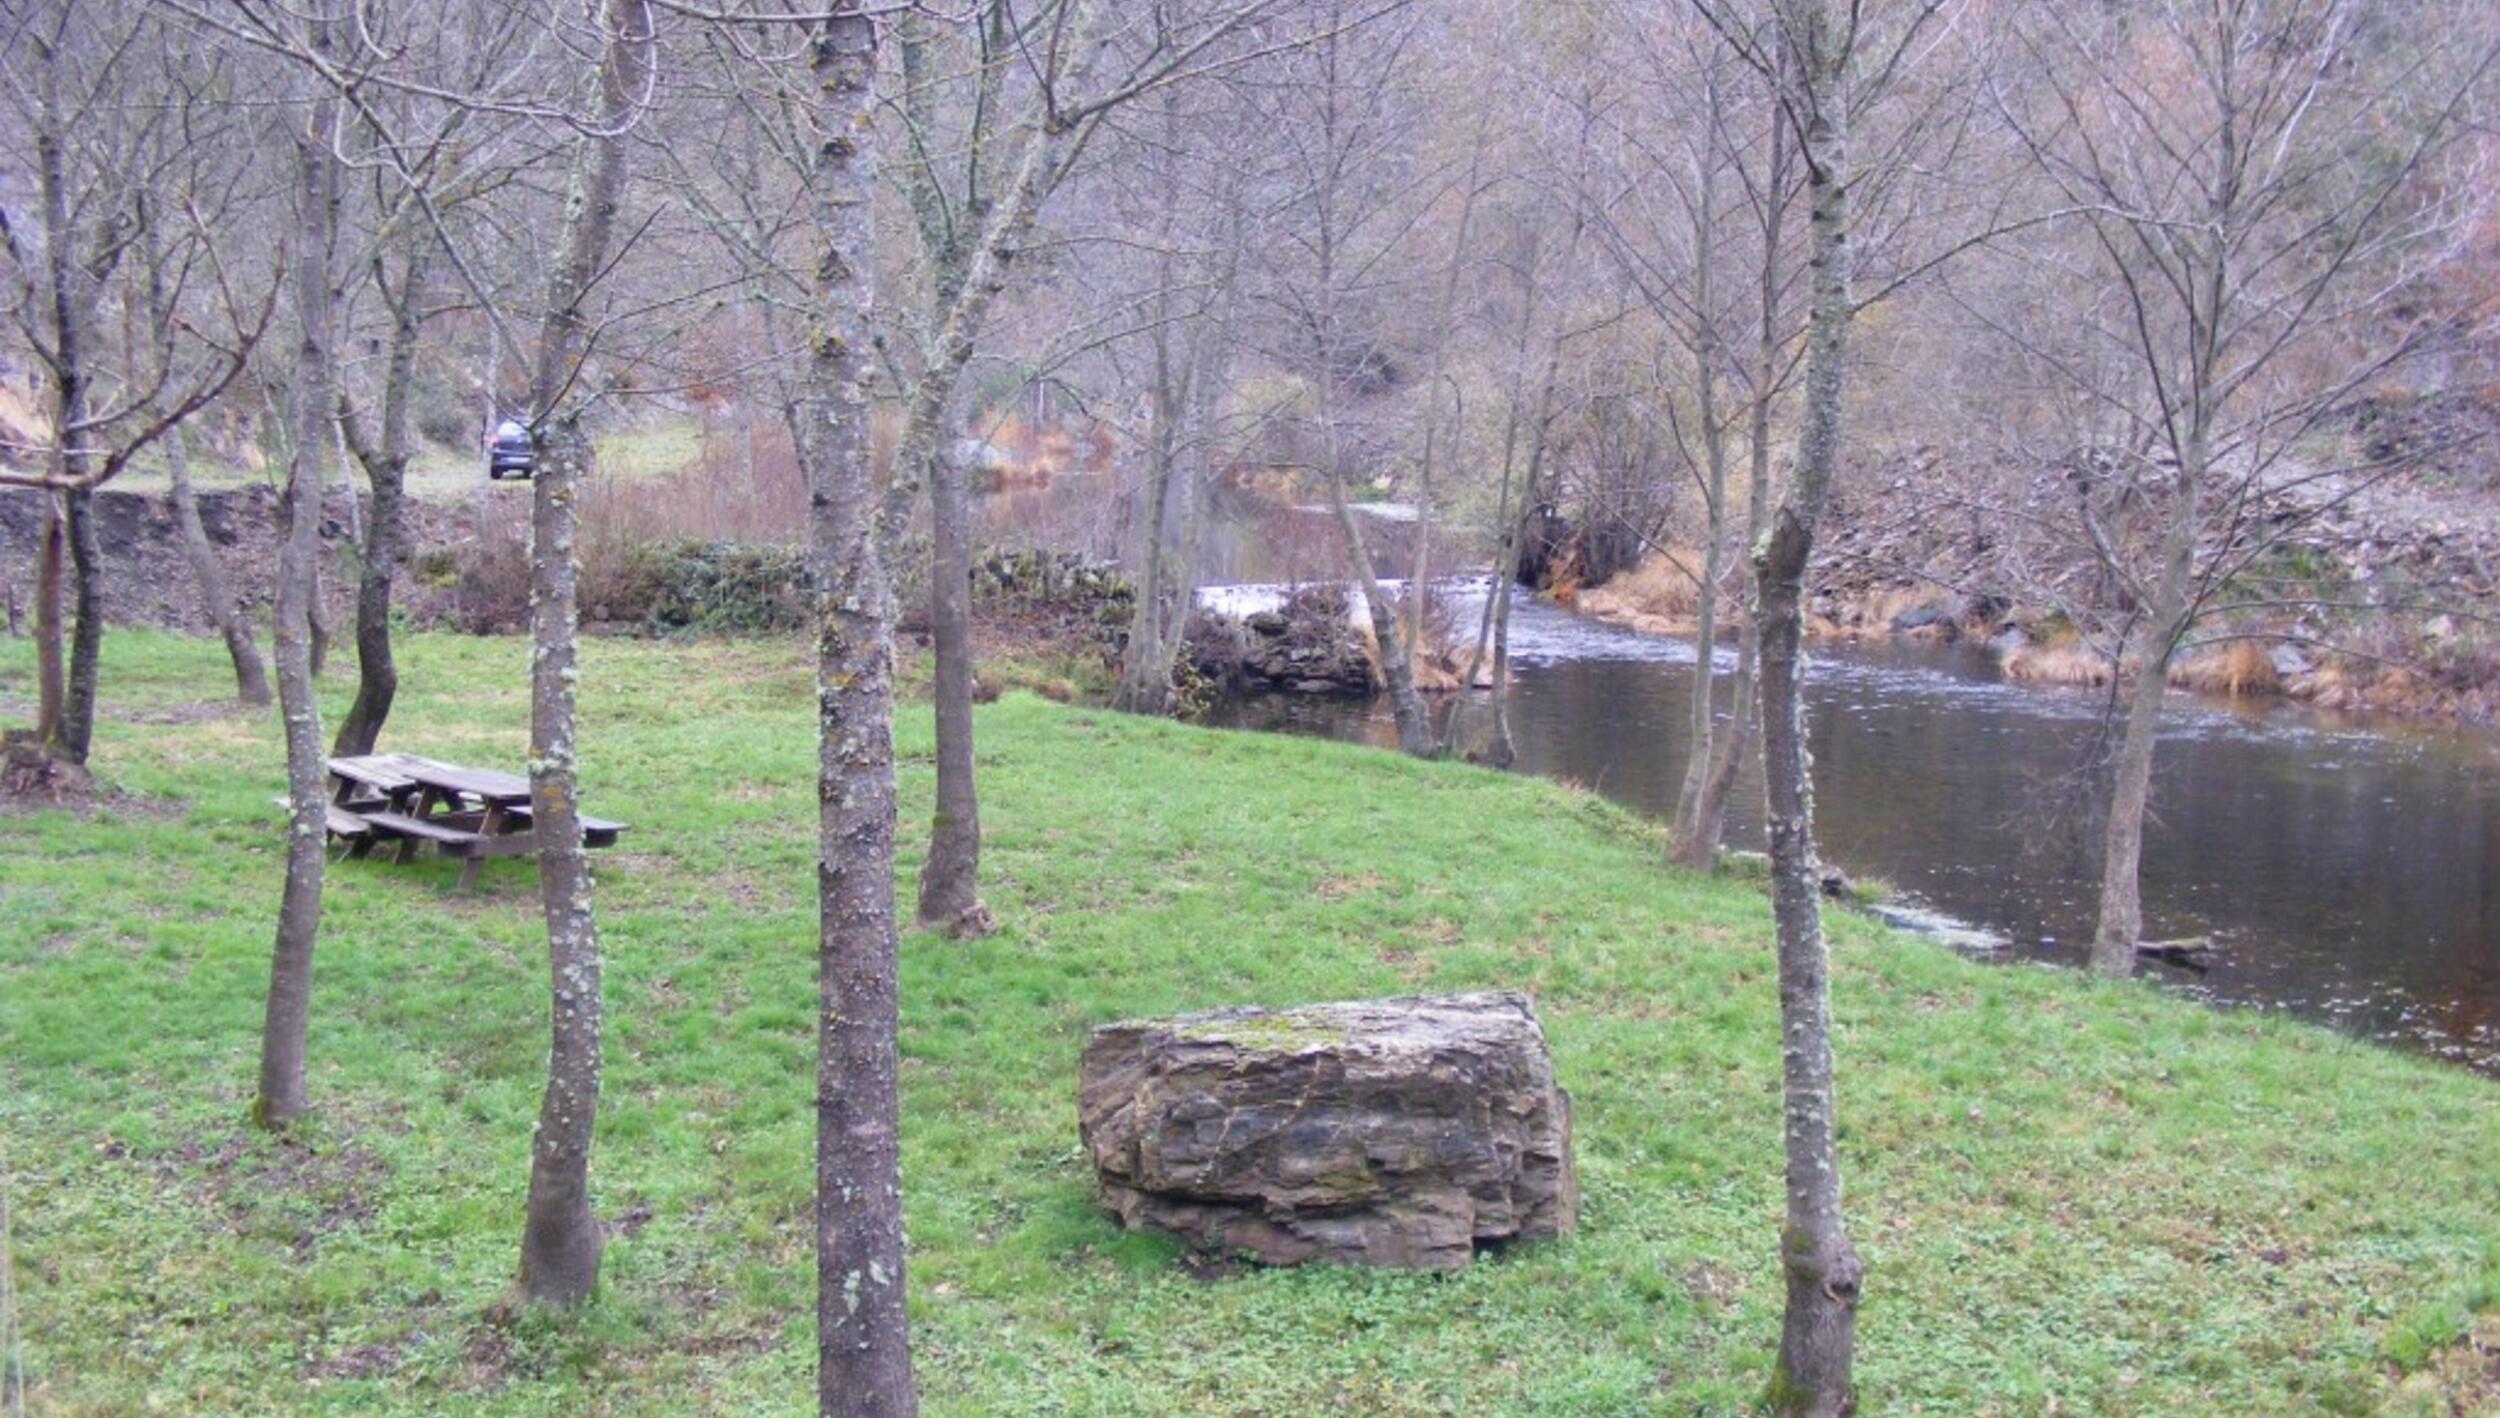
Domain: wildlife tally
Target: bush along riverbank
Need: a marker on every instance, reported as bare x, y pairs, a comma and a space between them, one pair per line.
2075, 1197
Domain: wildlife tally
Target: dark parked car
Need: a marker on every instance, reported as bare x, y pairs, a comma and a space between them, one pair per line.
509, 450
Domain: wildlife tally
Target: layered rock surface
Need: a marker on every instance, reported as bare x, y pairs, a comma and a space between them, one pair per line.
1395, 1132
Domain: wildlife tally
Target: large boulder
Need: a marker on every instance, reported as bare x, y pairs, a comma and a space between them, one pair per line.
1396, 1132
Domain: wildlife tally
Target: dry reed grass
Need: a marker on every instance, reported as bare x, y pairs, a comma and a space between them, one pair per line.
1663, 586
1441, 651
1657, 597
2056, 664
2240, 670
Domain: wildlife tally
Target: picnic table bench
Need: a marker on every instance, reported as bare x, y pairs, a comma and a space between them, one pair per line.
473, 813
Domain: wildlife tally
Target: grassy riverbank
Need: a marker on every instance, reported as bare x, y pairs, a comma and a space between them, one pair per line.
2075, 1198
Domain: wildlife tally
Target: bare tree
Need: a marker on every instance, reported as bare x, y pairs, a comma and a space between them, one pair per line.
90, 153
972, 232
560, 1237
1818, 1333
2254, 180
1337, 111
1194, 285
1711, 263
284, 1094
198, 183
1548, 320
1814, 50
978, 241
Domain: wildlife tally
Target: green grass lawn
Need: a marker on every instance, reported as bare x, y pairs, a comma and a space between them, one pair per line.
2076, 1198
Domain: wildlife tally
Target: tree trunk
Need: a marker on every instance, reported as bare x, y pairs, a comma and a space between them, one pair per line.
1684, 839
1686, 842
1145, 670
560, 1238
1697, 840
1397, 658
251, 678
2121, 916
64, 714
86, 637
1818, 1331
862, 1328
50, 567
1499, 750
386, 467
1698, 849
284, 1093
1419, 575
320, 618
950, 878
1505, 559
1210, 357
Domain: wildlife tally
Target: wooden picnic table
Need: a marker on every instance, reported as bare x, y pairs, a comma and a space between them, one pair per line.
472, 813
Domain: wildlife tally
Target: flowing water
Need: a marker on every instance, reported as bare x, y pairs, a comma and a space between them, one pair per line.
2345, 872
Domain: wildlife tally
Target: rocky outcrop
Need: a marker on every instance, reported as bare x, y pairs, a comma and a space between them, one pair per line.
1398, 1132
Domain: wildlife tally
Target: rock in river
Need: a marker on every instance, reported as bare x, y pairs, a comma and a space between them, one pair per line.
1395, 1132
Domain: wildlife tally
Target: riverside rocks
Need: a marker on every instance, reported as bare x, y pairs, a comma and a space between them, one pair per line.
1397, 1132
1310, 645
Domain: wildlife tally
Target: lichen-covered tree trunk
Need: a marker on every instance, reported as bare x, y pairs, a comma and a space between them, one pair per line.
284, 1092
1697, 846
1499, 750
862, 1329
560, 1237
1824, 1273
1698, 836
1175, 566
1419, 573
1212, 355
386, 468
251, 676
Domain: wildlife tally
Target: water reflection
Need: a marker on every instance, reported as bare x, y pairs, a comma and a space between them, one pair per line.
2345, 873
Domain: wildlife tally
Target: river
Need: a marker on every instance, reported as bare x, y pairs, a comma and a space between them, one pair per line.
2345, 872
